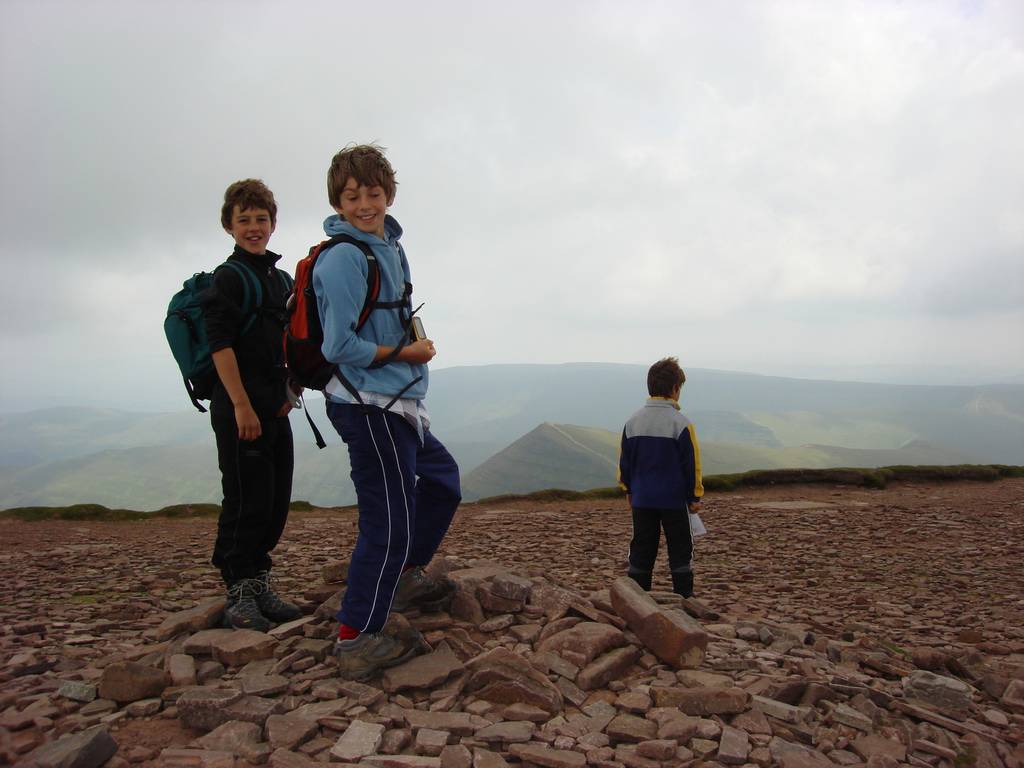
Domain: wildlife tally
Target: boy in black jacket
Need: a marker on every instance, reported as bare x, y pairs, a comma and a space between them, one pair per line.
249, 408
659, 469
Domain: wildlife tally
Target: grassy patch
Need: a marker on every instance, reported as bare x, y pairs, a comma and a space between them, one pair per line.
864, 478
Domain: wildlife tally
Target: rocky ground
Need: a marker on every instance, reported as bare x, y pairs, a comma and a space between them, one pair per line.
837, 626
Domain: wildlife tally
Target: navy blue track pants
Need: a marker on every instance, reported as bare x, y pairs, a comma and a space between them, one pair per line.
407, 495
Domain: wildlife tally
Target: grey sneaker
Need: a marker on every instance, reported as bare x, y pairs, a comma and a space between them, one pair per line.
418, 590
271, 605
365, 656
242, 611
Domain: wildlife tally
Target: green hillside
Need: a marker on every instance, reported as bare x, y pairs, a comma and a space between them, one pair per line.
580, 458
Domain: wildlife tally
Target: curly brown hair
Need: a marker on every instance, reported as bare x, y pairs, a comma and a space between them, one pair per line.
664, 376
367, 165
247, 194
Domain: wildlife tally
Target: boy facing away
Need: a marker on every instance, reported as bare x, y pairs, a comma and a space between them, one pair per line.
249, 409
659, 468
407, 484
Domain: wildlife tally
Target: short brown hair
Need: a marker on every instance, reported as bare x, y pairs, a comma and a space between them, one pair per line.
664, 376
367, 165
247, 194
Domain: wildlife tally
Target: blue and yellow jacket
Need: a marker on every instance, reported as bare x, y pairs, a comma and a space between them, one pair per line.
659, 464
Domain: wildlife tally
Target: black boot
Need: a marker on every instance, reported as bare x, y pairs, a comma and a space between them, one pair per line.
643, 578
242, 611
270, 603
682, 583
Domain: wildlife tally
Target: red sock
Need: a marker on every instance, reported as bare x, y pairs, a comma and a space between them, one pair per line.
345, 632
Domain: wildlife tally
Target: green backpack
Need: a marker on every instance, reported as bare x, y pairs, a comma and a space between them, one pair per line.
185, 327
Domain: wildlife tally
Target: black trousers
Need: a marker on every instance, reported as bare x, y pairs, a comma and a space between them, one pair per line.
643, 548
256, 478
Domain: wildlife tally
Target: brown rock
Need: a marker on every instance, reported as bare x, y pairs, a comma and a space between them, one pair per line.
672, 636
283, 758
238, 738
511, 587
203, 708
430, 742
459, 723
456, 756
242, 646
252, 709
631, 728
547, 757
702, 701
872, 745
483, 758
89, 749
1013, 696
204, 616
493, 603
201, 643
359, 740
509, 732
182, 670
733, 746
610, 666
289, 731
502, 677
425, 671
588, 639
465, 607
125, 681
335, 573
402, 761
175, 757
657, 749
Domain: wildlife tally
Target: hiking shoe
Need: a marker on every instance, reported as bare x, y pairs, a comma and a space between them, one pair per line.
242, 611
365, 656
418, 590
270, 603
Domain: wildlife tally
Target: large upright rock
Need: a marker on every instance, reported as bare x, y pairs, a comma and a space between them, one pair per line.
672, 636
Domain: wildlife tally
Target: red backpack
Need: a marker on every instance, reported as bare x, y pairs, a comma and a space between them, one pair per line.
304, 336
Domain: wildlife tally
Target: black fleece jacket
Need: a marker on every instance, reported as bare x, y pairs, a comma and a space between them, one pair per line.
259, 350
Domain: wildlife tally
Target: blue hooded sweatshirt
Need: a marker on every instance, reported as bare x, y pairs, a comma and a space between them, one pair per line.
339, 282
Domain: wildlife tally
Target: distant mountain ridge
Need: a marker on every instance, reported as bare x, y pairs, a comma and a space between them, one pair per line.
66, 455
581, 458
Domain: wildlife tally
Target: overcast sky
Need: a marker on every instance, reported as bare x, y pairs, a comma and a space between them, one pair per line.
798, 188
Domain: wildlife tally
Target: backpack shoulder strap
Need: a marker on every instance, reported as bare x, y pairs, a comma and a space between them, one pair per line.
252, 292
372, 275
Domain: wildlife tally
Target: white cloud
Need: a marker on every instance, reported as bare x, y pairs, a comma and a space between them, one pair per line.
749, 183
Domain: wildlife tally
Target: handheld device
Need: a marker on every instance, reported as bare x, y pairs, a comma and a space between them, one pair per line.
417, 329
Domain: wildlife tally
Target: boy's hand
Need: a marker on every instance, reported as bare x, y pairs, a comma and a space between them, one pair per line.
248, 422
419, 352
694, 506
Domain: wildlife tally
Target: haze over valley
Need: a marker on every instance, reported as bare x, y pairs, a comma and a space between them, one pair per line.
518, 428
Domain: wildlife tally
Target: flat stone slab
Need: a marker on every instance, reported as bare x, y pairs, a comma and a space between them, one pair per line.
789, 505
538, 754
204, 616
89, 749
359, 740
424, 671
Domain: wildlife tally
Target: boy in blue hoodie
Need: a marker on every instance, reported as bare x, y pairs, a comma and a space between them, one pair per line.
407, 484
